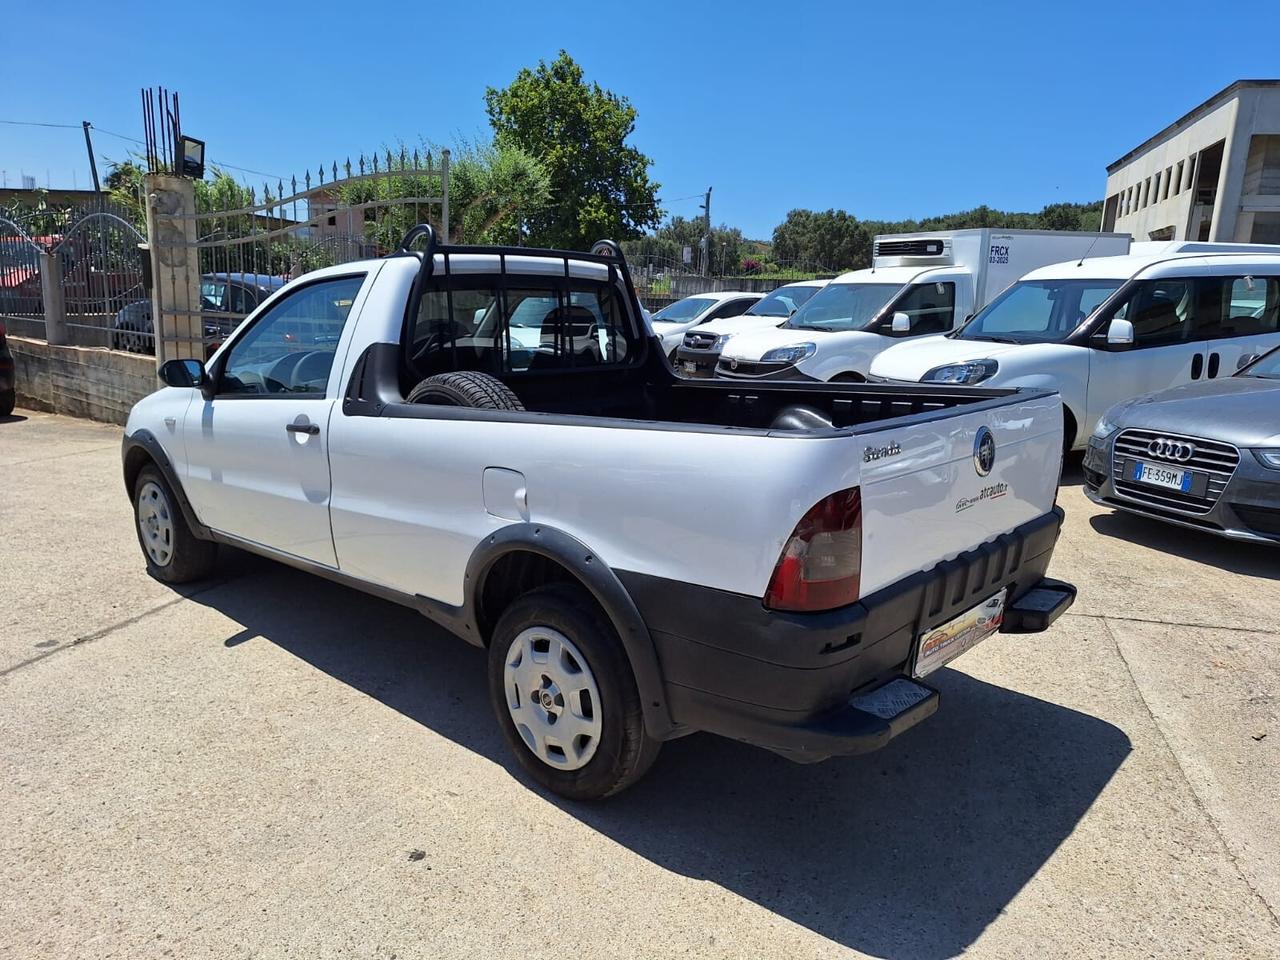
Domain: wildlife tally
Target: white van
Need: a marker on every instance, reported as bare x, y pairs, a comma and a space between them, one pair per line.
1105, 330
918, 284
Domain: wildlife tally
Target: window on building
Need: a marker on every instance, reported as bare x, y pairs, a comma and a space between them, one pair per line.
1177, 183
1191, 173
1262, 167
1155, 197
1266, 228
1168, 176
1146, 191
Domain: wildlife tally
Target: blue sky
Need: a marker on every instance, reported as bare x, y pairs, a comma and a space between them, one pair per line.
892, 111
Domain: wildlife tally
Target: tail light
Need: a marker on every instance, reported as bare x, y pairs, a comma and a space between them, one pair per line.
821, 563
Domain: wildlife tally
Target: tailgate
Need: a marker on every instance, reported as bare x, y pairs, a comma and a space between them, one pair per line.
932, 489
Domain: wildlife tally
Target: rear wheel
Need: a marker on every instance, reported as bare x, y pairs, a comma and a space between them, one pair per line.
565, 696
174, 554
8, 400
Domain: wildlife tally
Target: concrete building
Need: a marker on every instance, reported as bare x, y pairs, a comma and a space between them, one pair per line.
1212, 175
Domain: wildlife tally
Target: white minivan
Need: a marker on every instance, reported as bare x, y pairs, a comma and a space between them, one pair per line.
1104, 330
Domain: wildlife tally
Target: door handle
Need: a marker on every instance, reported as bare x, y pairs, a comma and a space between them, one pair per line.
1214, 363
310, 429
1197, 366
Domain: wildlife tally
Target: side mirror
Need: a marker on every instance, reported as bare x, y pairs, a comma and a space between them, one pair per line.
1247, 359
182, 373
1120, 333
901, 323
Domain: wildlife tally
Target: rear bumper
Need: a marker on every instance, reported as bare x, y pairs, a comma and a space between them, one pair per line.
812, 686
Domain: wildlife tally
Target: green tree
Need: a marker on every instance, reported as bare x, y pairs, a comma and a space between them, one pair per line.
491, 188
831, 239
579, 132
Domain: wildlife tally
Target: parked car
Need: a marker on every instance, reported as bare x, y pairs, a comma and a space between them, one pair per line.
372, 426
698, 351
8, 382
1103, 330
1205, 455
235, 294
918, 284
672, 321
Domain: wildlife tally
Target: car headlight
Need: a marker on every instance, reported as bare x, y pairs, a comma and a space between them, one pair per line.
1269, 458
721, 341
969, 372
792, 354
1105, 428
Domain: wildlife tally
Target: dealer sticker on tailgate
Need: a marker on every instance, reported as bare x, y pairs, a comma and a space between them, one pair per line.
947, 641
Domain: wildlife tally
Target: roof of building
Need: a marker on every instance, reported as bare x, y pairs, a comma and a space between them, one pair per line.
1226, 93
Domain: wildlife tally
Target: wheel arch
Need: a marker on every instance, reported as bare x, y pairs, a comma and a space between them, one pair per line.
522, 556
141, 449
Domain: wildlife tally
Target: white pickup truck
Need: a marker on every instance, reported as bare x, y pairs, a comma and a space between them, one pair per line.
376, 424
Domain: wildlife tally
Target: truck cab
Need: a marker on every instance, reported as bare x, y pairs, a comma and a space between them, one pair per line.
919, 285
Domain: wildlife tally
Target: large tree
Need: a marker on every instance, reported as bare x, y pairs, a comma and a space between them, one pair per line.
600, 185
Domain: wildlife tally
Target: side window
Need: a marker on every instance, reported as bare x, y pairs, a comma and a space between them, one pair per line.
1160, 311
1252, 307
289, 350
543, 328
931, 307
213, 295
730, 308
240, 299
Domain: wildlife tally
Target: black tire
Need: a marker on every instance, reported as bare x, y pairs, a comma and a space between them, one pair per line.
466, 388
189, 558
8, 400
625, 751
850, 377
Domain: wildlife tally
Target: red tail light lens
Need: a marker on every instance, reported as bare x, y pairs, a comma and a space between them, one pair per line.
821, 563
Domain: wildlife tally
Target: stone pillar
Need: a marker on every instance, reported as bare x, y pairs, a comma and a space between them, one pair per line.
55, 304
175, 268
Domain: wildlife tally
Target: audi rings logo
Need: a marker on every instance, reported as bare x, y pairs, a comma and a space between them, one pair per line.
1166, 449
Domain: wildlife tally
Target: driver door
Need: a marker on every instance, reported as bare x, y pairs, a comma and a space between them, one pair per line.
257, 464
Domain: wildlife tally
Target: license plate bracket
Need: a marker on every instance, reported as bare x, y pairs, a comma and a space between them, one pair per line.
939, 645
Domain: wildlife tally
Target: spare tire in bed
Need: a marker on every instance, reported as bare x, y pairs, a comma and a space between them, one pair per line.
466, 388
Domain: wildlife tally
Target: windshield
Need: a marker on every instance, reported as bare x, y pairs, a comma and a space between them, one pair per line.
1267, 366
1038, 311
682, 311
843, 306
782, 302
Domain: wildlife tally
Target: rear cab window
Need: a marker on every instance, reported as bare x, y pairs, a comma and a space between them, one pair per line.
530, 325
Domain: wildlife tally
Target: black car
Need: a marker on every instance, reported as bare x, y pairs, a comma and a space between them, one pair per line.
235, 294
8, 384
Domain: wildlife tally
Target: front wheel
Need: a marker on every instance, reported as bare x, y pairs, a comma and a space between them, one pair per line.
565, 697
174, 554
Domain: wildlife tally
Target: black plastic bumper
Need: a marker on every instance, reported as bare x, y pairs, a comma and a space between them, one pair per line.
812, 686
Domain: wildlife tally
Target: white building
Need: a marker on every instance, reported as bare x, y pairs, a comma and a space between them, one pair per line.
1212, 175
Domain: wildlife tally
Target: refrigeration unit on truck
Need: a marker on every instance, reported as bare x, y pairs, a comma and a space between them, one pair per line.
919, 284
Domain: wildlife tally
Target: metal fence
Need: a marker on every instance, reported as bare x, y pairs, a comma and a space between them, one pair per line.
65, 274
240, 250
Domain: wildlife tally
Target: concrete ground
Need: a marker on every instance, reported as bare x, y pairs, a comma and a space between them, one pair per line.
267, 765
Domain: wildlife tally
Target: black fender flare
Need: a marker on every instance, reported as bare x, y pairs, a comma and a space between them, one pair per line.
602, 583
145, 441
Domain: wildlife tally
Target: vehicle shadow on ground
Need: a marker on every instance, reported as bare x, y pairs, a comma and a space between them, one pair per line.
1072, 470
1250, 559
12, 418
912, 851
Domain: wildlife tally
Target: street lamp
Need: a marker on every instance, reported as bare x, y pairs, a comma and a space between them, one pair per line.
191, 152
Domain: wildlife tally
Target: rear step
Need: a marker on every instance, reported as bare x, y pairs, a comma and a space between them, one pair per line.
1036, 609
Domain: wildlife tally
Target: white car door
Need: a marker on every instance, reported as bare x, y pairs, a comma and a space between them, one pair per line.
1162, 355
257, 461
1249, 324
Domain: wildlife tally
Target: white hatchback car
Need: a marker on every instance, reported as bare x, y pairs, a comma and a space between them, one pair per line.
674, 320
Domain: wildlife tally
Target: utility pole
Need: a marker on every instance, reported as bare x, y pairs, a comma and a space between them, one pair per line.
706, 234
93, 164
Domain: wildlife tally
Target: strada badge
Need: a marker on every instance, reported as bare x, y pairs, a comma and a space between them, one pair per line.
879, 453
